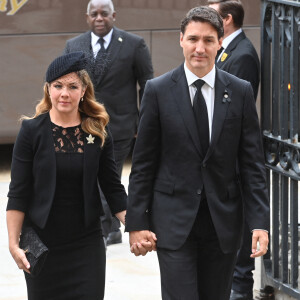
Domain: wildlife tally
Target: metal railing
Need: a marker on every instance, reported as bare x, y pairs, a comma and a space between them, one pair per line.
280, 109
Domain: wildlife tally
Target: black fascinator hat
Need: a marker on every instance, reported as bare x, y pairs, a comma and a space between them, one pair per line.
65, 64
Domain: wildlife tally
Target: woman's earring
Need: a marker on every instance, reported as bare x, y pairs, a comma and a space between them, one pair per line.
81, 99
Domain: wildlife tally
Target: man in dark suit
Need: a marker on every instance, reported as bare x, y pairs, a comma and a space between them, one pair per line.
238, 55
196, 122
119, 60
239, 58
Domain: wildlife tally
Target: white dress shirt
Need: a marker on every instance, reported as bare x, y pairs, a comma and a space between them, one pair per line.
228, 40
208, 91
94, 42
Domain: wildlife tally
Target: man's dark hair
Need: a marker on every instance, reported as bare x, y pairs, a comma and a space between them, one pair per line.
204, 14
232, 7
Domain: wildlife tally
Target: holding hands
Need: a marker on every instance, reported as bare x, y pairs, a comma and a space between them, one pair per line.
142, 241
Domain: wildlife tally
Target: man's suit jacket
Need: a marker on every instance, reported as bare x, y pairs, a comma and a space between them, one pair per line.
242, 61
33, 174
128, 63
169, 172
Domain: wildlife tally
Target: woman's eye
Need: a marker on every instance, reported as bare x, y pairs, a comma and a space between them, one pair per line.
57, 86
73, 87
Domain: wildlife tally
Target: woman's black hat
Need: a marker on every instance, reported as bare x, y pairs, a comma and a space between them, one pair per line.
65, 64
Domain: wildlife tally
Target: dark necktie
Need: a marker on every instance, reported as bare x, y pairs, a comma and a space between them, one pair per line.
100, 59
201, 115
102, 49
218, 53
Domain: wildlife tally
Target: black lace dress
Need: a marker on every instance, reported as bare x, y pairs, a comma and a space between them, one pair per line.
75, 266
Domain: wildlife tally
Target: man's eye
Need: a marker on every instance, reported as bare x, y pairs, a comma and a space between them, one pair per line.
93, 15
105, 14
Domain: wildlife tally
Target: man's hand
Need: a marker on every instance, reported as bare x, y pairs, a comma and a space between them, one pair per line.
262, 237
142, 241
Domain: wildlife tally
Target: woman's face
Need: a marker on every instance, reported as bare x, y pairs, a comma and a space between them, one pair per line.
65, 94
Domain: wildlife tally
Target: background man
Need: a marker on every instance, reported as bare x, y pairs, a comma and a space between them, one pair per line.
119, 60
239, 58
196, 122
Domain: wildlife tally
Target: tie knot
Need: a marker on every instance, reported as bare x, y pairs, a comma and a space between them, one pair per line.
101, 42
199, 83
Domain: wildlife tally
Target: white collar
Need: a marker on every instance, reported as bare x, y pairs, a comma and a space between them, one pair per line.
95, 38
209, 78
230, 38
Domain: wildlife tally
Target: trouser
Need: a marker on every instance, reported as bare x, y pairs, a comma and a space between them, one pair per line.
199, 269
243, 276
122, 149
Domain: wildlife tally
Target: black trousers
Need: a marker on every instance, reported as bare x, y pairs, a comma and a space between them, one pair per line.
199, 269
243, 276
122, 149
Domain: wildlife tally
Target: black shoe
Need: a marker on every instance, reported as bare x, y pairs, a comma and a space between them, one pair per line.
114, 237
240, 296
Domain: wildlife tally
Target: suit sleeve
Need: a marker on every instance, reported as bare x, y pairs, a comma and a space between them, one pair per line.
109, 179
145, 163
143, 69
20, 188
252, 167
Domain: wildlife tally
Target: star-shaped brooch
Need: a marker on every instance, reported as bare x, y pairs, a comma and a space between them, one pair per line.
90, 139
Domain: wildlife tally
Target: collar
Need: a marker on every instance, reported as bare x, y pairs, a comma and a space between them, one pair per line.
107, 38
209, 78
230, 38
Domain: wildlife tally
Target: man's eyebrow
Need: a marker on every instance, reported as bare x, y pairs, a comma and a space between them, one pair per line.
197, 36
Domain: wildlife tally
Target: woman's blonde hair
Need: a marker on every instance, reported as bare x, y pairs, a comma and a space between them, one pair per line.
93, 114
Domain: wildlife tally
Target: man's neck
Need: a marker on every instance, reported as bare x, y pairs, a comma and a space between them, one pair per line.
229, 31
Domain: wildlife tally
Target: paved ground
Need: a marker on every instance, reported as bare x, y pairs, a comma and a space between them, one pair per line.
128, 277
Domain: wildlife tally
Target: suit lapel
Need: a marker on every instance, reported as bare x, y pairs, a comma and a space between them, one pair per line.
91, 143
182, 96
84, 44
222, 102
228, 51
112, 52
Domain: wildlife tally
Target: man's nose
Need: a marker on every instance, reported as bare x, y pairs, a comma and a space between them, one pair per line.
200, 47
99, 17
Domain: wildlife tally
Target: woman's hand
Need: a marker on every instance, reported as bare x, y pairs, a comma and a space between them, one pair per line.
19, 256
14, 219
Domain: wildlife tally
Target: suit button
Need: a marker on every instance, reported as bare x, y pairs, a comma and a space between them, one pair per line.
199, 192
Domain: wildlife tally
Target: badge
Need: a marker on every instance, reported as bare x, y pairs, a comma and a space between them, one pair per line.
90, 139
224, 56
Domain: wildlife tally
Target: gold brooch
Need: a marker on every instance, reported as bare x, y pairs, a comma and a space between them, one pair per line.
90, 139
224, 56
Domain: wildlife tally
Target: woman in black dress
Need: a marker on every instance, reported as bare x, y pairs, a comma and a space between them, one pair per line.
61, 157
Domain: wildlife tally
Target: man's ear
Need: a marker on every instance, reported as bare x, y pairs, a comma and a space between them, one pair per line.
220, 43
228, 20
181, 38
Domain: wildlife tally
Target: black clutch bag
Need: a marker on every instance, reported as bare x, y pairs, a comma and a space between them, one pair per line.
35, 250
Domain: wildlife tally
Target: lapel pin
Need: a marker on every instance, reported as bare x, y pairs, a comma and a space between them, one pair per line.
90, 139
224, 56
226, 97
120, 39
